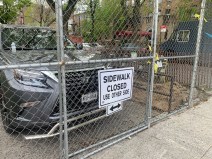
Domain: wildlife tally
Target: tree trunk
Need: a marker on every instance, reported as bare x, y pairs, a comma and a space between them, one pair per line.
65, 28
136, 19
41, 14
51, 22
124, 7
66, 12
92, 10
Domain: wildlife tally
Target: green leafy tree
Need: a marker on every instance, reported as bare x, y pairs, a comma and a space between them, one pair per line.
107, 19
186, 9
111, 16
10, 10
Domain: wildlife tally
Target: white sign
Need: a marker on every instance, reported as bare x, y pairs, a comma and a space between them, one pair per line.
113, 108
115, 85
160, 64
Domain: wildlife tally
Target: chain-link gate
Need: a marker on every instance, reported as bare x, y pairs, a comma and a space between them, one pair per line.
125, 46
52, 55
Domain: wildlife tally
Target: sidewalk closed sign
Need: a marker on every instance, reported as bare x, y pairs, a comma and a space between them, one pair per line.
115, 85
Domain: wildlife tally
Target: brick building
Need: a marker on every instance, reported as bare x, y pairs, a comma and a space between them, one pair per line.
170, 13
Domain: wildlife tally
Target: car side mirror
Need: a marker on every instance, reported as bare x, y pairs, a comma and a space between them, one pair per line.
79, 46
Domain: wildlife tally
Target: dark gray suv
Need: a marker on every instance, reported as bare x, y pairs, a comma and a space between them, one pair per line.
29, 97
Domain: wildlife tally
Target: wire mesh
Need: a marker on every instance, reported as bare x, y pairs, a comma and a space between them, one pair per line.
102, 127
29, 88
178, 32
204, 65
27, 101
52, 51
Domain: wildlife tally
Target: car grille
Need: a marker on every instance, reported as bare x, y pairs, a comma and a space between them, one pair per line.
78, 84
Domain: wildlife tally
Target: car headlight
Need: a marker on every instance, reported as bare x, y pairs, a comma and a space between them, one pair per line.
30, 78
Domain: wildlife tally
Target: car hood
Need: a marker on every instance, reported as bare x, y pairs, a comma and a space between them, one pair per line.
47, 56
29, 57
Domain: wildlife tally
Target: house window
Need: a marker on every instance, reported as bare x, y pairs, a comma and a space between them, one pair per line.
183, 36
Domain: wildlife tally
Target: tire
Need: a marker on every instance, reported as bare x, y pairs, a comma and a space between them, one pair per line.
5, 115
7, 121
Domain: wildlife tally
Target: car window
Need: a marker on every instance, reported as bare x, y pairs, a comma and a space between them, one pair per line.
28, 38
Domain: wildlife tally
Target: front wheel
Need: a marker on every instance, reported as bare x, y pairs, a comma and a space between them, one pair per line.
7, 121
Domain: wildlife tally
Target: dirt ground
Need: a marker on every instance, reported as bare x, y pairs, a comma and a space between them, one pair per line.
180, 95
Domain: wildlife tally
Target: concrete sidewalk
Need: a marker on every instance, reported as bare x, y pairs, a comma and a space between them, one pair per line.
183, 136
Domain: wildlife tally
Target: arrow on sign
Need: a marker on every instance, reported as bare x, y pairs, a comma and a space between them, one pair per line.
115, 107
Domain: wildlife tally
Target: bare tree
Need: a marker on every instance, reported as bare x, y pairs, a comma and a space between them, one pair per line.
39, 13
67, 11
45, 15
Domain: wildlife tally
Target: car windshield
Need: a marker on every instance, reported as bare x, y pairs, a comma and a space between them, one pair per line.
28, 38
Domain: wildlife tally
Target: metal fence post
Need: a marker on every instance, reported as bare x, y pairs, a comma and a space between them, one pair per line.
62, 83
59, 83
147, 118
154, 43
197, 52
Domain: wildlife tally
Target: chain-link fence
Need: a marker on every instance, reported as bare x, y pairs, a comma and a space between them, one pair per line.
204, 66
80, 75
180, 49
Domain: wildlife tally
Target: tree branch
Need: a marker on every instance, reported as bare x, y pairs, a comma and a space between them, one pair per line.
51, 3
52, 21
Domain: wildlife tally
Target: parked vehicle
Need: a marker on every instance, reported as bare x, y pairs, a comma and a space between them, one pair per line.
183, 41
126, 44
92, 46
29, 97
131, 47
125, 50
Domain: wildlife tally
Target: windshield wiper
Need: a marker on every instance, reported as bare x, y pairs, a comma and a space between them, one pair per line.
45, 48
